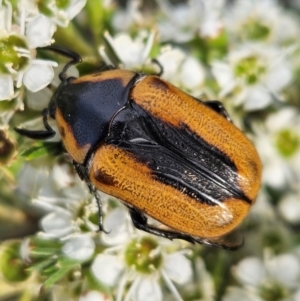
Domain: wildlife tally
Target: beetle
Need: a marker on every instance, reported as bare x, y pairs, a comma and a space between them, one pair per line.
163, 153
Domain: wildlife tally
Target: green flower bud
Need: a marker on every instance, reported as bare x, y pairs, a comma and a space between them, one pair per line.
12, 267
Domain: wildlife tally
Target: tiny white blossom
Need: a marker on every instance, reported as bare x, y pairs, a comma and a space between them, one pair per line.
289, 207
123, 19
254, 74
61, 193
61, 13
181, 69
276, 277
185, 21
132, 53
20, 41
139, 260
248, 20
33, 29
278, 143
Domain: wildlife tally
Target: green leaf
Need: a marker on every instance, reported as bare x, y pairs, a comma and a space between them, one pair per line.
43, 252
37, 151
41, 149
65, 265
40, 266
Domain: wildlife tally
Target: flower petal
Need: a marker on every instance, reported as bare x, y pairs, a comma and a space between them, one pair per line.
38, 75
285, 269
75, 7
289, 208
192, 73
171, 59
250, 271
107, 269
6, 87
257, 98
79, 248
92, 296
39, 100
223, 74
178, 267
39, 31
115, 223
57, 224
147, 290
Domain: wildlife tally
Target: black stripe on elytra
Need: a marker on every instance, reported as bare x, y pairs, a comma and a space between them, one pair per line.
177, 156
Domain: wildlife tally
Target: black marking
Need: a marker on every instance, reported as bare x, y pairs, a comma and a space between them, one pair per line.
88, 107
159, 84
102, 177
177, 156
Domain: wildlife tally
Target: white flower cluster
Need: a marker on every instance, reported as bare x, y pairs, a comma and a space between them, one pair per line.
243, 53
22, 29
274, 278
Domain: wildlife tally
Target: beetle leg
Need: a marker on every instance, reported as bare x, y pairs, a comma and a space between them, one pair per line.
82, 173
218, 107
95, 193
40, 135
139, 220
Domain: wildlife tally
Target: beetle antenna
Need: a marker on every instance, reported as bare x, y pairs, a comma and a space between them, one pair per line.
161, 68
75, 58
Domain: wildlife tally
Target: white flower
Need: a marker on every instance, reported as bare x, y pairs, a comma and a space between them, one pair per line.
79, 247
185, 21
123, 19
19, 64
278, 143
59, 13
275, 278
248, 20
62, 194
141, 261
181, 69
132, 53
254, 75
289, 207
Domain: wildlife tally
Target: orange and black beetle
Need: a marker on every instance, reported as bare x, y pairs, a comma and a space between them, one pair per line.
164, 153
